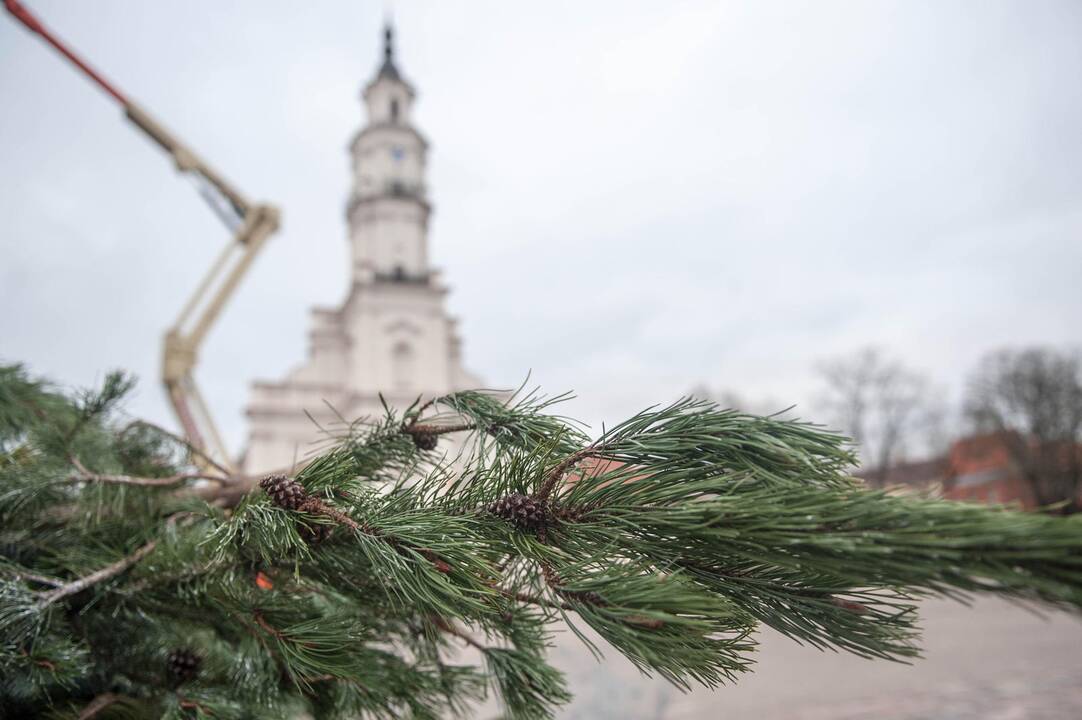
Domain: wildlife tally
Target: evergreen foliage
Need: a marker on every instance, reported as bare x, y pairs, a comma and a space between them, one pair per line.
136, 583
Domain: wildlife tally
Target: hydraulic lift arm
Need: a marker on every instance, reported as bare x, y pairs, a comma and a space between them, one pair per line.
251, 224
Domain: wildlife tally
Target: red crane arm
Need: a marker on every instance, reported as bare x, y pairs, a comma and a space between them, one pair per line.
251, 225
27, 18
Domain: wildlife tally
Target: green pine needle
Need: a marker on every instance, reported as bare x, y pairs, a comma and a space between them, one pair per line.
351, 592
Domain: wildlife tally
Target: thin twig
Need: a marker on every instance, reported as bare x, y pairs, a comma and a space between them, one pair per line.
416, 415
258, 635
225, 495
318, 678
227, 490
850, 605
189, 704
591, 598
437, 562
87, 476
266, 625
534, 600
308, 503
98, 704
96, 577
33, 577
557, 473
144, 481
183, 441
415, 429
318, 507
460, 634
47, 664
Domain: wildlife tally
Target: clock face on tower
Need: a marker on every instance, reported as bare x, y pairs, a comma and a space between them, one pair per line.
398, 153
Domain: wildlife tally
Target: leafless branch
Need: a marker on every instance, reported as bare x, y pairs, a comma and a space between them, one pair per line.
227, 495
109, 571
450, 629
95, 706
183, 441
168, 481
41, 579
878, 403
426, 429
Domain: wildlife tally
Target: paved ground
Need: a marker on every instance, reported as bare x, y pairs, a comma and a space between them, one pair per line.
994, 661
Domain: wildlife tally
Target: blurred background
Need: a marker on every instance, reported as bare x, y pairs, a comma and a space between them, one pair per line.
871, 211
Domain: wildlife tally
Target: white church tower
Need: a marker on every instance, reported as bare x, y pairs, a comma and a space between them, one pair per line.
392, 334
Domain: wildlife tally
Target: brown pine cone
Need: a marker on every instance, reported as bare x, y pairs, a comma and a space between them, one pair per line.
425, 440
284, 491
522, 511
183, 664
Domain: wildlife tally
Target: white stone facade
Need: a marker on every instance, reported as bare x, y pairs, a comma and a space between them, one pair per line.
392, 334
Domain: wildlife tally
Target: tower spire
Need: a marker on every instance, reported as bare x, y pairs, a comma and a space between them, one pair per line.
388, 69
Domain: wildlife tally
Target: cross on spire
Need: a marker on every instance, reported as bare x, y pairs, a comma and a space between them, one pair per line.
388, 69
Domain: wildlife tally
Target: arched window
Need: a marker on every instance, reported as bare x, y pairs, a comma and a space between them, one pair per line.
402, 366
394, 110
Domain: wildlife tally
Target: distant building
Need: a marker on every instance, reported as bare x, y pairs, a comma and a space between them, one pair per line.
978, 468
923, 476
981, 469
392, 334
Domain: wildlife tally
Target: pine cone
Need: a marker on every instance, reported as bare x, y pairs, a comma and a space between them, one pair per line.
425, 440
522, 511
315, 533
184, 665
284, 491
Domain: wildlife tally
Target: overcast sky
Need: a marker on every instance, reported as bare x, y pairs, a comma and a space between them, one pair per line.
631, 198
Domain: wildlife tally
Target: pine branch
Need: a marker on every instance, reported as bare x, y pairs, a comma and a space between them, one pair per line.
169, 481
105, 573
34, 577
672, 536
98, 705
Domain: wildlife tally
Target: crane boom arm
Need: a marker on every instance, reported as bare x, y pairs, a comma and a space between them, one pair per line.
251, 223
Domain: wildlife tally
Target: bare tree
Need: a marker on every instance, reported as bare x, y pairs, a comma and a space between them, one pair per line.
724, 398
1033, 397
880, 404
734, 400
